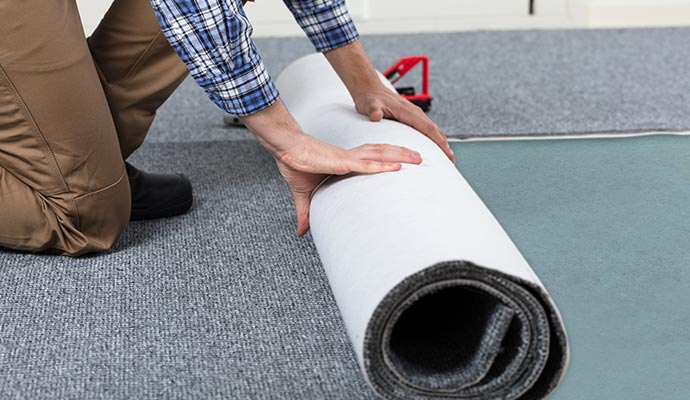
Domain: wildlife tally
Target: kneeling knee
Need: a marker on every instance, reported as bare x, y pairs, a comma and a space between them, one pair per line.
103, 216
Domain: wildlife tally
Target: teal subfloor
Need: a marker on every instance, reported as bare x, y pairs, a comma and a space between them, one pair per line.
605, 223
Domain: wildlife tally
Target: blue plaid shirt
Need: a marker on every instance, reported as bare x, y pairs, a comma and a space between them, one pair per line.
213, 37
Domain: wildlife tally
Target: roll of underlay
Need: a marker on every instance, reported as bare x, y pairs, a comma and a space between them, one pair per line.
437, 300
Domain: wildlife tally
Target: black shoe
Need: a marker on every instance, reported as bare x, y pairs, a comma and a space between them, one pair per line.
158, 196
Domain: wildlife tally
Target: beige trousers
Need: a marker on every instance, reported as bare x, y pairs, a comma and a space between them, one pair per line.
70, 111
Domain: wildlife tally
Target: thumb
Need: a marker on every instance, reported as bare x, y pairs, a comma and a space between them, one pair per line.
302, 203
376, 115
375, 111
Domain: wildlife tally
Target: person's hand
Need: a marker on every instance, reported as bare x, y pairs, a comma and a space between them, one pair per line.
309, 161
380, 102
305, 161
376, 101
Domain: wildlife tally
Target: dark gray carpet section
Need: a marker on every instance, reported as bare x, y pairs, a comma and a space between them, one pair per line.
458, 330
509, 82
224, 302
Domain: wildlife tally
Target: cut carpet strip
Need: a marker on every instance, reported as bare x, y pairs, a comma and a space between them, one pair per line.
504, 82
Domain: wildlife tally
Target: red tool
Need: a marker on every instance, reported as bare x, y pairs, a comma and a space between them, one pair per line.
402, 67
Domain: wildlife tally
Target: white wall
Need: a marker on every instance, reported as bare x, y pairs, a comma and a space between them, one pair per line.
91, 12
271, 18
619, 13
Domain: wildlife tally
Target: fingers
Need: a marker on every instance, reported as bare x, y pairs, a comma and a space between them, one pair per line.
372, 167
302, 203
375, 158
387, 153
415, 117
386, 104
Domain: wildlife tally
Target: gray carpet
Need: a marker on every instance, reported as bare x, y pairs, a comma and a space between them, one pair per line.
488, 83
223, 302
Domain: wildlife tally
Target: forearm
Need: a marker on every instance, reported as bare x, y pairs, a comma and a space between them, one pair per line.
274, 128
354, 68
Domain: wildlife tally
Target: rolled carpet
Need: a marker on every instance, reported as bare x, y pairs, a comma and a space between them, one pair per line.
437, 300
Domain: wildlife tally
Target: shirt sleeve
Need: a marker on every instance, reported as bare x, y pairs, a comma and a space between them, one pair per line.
327, 23
213, 38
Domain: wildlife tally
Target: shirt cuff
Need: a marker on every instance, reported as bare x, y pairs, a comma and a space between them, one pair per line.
328, 27
248, 90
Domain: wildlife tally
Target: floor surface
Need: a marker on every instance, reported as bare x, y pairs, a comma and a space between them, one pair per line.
226, 302
505, 82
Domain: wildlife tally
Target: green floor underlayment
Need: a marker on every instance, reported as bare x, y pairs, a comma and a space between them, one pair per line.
605, 223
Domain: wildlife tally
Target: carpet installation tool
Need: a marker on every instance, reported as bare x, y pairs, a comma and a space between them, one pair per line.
437, 300
401, 67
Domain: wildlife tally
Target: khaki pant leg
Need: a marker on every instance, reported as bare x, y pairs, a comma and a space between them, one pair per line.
138, 68
63, 187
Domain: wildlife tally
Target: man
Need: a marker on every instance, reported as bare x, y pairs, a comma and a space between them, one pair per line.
72, 111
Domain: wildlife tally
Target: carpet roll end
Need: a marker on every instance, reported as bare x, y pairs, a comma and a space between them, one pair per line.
457, 330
